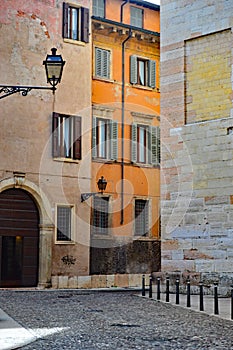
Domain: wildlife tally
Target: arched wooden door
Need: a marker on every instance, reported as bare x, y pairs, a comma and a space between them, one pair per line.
19, 239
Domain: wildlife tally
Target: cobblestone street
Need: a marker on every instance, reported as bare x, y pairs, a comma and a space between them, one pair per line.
112, 320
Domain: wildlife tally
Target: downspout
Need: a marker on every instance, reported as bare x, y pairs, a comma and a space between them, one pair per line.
123, 125
122, 5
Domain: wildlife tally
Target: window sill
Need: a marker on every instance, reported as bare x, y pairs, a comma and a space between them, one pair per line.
143, 165
74, 42
64, 242
142, 87
66, 160
106, 80
105, 161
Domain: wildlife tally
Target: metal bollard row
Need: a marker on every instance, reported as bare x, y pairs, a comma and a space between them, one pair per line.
177, 293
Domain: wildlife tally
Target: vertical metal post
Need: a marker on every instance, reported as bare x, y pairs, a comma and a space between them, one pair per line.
158, 288
143, 286
188, 293
216, 311
150, 287
232, 301
177, 291
201, 297
167, 289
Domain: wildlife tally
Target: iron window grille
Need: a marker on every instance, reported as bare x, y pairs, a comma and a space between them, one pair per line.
64, 223
141, 217
101, 215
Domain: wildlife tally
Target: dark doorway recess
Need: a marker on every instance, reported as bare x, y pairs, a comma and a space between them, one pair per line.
19, 239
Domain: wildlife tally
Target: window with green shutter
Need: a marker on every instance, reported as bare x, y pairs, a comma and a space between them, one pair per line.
98, 8
142, 71
104, 139
102, 63
145, 144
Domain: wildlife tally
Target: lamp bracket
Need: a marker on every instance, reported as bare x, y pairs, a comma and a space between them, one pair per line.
85, 196
8, 90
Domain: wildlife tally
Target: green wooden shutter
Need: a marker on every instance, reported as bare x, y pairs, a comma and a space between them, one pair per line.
98, 8
133, 69
77, 145
94, 140
134, 143
114, 140
65, 20
152, 73
149, 145
55, 144
155, 145
105, 64
85, 25
98, 63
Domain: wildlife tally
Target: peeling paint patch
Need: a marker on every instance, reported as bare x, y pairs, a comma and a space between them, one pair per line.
35, 18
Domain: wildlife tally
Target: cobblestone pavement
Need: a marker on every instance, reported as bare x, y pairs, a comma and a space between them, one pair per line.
99, 320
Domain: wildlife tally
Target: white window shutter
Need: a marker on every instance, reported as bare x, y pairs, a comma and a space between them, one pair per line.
114, 140
134, 143
133, 69
94, 141
155, 145
152, 73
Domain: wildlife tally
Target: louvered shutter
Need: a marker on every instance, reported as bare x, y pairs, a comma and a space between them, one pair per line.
105, 64
94, 145
149, 145
134, 143
65, 20
77, 146
98, 8
98, 62
133, 69
114, 140
55, 144
155, 145
152, 73
85, 25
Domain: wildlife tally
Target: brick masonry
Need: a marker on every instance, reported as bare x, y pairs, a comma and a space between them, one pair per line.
197, 138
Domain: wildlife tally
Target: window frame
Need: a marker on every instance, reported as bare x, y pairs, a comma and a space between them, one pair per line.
102, 63
146, 219
73, 132
82, 24
135, 19
110, 139
70, 239
151, 145
149, 71
105, 229
99, 8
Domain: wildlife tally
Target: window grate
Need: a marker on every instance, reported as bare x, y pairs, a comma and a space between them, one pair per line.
141, 217
63, 223
100, 217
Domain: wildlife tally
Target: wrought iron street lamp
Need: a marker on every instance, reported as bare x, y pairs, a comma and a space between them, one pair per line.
53, 66
102, 183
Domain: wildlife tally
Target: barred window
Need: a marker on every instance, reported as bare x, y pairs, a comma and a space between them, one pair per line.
100, 215
63, 223
141, 217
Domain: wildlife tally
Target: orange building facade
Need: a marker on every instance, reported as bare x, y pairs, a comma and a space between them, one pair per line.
125, 236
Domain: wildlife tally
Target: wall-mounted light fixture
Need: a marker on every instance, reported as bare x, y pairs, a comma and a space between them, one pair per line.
53, 66
102, 183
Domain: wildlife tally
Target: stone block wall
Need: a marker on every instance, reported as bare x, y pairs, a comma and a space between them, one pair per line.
197, 142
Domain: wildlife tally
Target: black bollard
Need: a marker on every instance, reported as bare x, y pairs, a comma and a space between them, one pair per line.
188, 293
167, 289
177, 291
150, 287
216, 311
232, 301
158, 288
201, 297
143, 286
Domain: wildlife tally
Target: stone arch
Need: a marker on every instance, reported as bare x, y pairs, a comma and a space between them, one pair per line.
46, 226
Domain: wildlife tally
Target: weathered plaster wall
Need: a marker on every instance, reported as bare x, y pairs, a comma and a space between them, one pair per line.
196, 124
28, 31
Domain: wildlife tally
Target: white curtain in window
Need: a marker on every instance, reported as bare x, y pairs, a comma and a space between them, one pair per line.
74, 23
67, 136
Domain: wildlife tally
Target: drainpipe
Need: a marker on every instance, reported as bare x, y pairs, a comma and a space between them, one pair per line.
122, 5
123, 125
